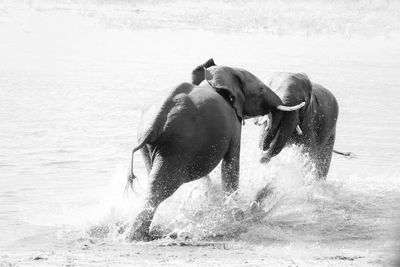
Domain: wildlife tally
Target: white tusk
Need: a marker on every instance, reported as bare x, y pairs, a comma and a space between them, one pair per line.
261, 120
299, 131
287, 108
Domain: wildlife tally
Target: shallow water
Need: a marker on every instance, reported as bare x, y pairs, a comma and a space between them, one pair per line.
71, 90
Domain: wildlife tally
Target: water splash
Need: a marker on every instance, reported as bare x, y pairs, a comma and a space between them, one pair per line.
281, 201
292, 205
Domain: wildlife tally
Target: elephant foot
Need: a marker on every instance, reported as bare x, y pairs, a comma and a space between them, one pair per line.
137, 236
154, 234
139, 231
265, 157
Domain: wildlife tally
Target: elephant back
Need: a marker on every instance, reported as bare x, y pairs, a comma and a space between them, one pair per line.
154, 117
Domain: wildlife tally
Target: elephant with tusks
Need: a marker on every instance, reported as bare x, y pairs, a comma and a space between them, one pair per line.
186, 134
313, 125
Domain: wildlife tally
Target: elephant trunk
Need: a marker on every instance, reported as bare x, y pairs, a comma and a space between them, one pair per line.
274, 137
268, 130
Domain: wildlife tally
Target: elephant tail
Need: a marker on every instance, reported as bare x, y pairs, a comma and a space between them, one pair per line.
131, 175
348, 155
153, 122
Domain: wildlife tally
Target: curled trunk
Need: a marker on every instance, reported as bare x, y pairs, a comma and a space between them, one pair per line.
277, 132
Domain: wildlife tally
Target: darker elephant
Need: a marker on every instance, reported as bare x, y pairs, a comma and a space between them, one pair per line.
185, 135
313, 126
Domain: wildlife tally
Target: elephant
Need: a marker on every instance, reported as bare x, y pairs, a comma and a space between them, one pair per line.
312, 126
317, 119
185, 135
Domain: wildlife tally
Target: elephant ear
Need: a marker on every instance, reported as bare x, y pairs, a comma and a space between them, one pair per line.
198, 72
228, 83
306, 86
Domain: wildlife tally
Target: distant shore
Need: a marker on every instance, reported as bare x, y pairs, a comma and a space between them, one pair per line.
279, 17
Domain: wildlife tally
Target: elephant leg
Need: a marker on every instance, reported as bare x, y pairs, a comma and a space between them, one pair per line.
230, 168
146, 158
164, 179
324, 160
140, 228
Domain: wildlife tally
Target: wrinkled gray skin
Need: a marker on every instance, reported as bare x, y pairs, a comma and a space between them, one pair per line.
317, 120
184, 135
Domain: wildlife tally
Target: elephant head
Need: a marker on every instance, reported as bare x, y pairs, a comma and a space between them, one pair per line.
278, 127
248, 95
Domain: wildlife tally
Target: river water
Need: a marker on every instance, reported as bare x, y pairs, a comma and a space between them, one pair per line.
71, 91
